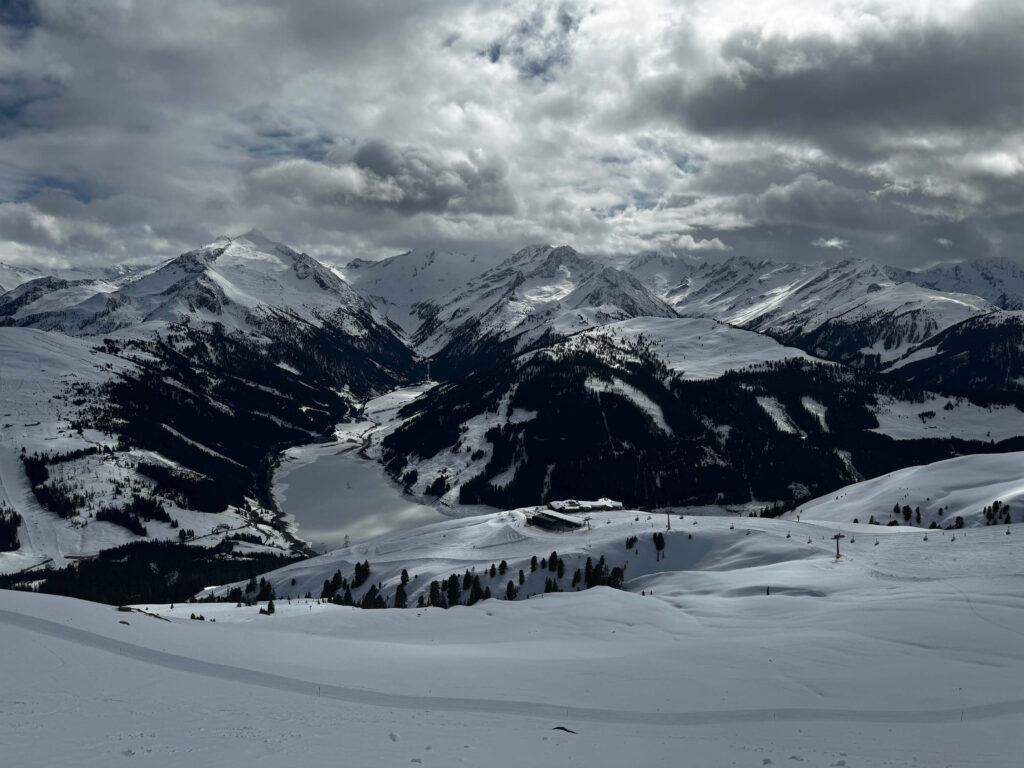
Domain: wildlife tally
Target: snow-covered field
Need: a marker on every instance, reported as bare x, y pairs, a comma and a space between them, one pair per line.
696, 348
960, 487
946, 417
904, 653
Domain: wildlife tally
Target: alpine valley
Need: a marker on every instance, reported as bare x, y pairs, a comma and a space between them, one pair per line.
247, 436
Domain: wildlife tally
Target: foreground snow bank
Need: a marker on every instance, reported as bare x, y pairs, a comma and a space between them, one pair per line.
907, 651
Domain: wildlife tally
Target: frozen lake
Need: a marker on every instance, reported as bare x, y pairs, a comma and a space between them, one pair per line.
329, 492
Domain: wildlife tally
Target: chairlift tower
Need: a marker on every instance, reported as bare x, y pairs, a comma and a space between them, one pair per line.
837, 537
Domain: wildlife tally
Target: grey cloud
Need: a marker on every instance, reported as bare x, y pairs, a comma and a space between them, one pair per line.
808, 200
405, 180
147, 128
19, 91
848, 95
538, 44
269, 133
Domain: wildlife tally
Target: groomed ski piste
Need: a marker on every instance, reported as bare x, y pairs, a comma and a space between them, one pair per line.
745, 642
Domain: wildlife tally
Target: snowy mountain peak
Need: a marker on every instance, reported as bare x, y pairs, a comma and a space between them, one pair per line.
11, 276
397, 284
999, 280
852, 310
260, 241
538, 291
563, 255
239, 283
614, 288
197, 261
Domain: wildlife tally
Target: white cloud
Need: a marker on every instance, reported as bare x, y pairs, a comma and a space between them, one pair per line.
689, 243
831, 243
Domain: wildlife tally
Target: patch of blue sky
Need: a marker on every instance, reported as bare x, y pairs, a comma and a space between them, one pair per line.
27, 187
283, 144
21, 16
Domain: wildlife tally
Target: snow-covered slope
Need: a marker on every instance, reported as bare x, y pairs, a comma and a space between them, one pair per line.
243, 284
982, 354
168, 392
11, 276
50, 385
602, 412
961, 488
852, 311
51, 297
396, 284
906, 654
997, 280
947, 417
37, 414
697, 348
541, 290
661, 272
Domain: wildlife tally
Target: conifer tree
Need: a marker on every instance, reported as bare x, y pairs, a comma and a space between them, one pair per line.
454, 590
476, 592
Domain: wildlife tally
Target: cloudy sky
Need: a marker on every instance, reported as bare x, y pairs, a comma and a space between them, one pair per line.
132, 130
